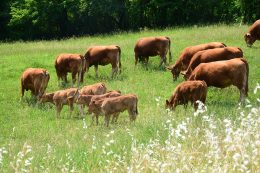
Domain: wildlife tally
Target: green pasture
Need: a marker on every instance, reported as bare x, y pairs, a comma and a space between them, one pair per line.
76, 145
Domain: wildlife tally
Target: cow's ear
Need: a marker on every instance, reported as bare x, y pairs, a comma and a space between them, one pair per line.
169, 68
183, 73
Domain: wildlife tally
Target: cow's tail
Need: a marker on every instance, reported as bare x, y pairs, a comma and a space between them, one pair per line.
247, 74
119, 58
81, 70
136, 109
22, 86
170, 54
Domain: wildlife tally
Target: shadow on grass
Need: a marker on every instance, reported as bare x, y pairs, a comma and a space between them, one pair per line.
107, 78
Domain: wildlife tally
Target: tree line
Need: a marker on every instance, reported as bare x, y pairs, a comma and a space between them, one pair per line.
49, 19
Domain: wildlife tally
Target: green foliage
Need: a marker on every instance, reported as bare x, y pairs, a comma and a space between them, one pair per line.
46, 19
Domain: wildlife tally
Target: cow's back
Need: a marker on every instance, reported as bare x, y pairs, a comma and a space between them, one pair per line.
95, 89
119, 104
151, 46
101, 55
188, 52
220, 73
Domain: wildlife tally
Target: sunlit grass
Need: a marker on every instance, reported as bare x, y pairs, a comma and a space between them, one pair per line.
29, 132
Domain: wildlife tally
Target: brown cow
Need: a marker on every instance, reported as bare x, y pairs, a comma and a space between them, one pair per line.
35, 80
94, 89
211, 55
73, 63
152, 46
222, 74
253, 34
115, 105
65, 97
188, 91
96, 102
103, 55
184, 59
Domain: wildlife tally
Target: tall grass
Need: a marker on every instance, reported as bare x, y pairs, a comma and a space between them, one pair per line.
223, 138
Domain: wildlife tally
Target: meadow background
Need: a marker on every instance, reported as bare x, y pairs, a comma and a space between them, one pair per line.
225, 137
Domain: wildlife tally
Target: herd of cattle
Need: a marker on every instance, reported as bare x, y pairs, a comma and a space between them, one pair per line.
210, 64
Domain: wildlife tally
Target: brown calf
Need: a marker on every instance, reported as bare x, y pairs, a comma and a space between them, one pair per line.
103, 55
253, 34
184, 59
94, 89
73, 63
65, 97
222, 74
113, 106
188, 91
211, 55
35, 80
96, 102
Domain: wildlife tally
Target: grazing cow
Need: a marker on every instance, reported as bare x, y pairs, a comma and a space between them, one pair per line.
152, 46
211, 55
222, 74
35, 80
184, 59
73, 63
103, 55
115, 105
65, 97
96, 102
253, 34
94, 89
188, 91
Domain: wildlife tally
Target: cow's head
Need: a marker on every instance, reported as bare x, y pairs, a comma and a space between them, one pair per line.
175, 72
249, 39
92, 106
46, 98
186, 75
168, 105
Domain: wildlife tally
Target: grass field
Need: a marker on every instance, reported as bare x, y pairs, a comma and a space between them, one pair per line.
226, 137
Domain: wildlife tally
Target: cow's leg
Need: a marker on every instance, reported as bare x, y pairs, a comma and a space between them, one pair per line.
107, 119
22, 91
96, 70
136, 59
242, 95
163, 60
96, 118
114, 70
73, 76
115, 117
58, 110
71, 108
146, 59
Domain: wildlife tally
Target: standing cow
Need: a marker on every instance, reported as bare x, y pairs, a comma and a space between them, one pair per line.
253, 34
152, 46
103, 55
73, 63
184, 59
211, 55
188, 91
35, 80
222, 74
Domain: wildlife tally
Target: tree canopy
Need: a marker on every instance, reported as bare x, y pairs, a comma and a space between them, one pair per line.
48, 19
